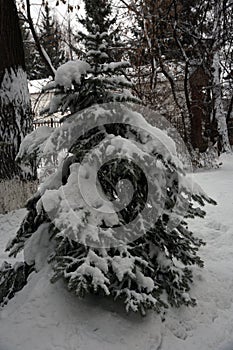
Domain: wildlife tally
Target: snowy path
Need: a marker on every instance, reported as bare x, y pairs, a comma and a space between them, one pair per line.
46, 317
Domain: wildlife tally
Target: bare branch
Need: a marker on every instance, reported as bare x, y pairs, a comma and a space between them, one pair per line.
40, 49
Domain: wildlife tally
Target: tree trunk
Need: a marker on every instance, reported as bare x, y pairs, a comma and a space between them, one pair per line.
15, 108
219, 113
197, 81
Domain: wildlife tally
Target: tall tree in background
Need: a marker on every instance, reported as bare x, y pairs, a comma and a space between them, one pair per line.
184, 42
221, 38
50, 37
43, 42
158, 61
15, 110
30, 51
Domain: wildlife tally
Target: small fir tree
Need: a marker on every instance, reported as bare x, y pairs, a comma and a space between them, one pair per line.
104, 235
137, 247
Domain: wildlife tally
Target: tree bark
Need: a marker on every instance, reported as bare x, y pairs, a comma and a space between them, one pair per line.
15, 108
220, 114
197, 81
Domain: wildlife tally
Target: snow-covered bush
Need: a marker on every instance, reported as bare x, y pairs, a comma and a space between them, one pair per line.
112, 215
32, 148
206, 160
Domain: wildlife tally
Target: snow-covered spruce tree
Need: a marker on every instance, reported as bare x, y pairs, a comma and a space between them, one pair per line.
98, 78
111, 218
106, 236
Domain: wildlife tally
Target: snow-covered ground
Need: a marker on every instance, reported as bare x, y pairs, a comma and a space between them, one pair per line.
47, 317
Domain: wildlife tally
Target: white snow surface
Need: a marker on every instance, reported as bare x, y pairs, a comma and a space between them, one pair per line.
43, 316
36, 86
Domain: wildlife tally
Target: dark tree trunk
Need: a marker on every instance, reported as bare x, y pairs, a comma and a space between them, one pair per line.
197, 81
15, 110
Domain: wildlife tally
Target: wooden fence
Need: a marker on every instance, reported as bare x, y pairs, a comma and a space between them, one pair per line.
53, 123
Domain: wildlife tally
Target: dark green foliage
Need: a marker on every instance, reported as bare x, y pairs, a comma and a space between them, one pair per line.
50, 38
105, 80
150, 270
12, 280
50, 35
141, 250
30, 52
